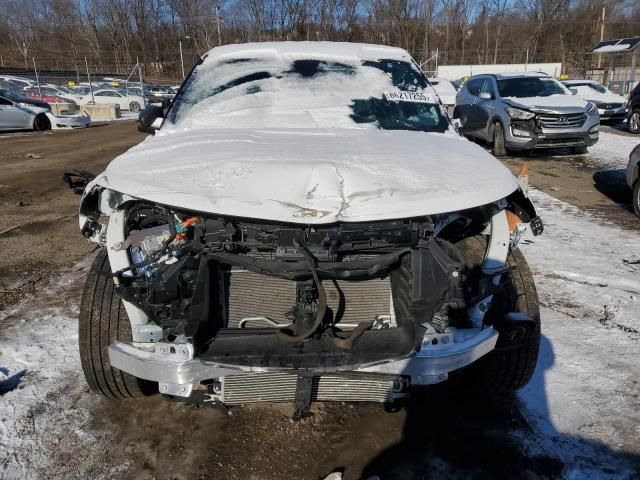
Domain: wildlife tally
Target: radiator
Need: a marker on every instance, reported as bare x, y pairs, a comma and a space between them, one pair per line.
251, 295
281, 387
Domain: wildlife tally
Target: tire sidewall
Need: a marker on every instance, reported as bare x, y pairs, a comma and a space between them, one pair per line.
634, 121
499, 149
41, 122
636, 198
134, 107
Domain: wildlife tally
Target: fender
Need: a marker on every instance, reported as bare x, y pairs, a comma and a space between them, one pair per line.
522, 206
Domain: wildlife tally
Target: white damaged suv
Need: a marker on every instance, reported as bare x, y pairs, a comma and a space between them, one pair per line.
305, 225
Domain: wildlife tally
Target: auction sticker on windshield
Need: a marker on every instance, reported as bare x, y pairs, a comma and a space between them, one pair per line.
401, 96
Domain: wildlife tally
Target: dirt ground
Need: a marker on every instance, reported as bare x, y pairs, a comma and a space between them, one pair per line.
435, 435
39, 208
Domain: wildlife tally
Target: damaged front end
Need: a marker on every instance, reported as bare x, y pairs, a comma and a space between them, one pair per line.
235, 310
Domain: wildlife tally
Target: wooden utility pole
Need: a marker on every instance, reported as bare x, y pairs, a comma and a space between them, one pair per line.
601, 33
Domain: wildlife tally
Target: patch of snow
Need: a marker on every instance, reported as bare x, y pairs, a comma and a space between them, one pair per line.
612, 150
612, 48
585, 389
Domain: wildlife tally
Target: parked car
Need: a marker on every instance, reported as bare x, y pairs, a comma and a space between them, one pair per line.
528, 111
29, 116
446, 91
306, 226
159, 94
23, 100
633, 177
633, 110
16, 83
48, 97
17, 116
133, 103
611, 106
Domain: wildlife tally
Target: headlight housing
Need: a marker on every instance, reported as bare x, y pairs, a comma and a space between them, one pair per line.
592, 109
519, 114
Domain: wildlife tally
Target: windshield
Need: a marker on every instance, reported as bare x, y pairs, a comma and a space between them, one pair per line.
524, 87
307, 93
11, 95
589, 88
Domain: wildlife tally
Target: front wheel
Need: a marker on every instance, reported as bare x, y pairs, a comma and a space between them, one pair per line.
499, 148
103, 320
503, 371
134, 107
41, 122
636, 198
634, 121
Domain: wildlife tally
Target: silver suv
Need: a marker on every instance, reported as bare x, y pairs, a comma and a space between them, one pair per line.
527, 111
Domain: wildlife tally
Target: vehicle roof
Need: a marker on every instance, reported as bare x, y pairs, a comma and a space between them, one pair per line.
333, 50
580, 82
506, 75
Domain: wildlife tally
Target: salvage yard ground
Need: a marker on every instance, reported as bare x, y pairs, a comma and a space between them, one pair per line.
579, 418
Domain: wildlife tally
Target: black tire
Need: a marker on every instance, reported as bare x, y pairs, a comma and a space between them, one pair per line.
502, 372
41, 122
134, 107
633, 122
103, 319
636, 198
498, 147
579, 150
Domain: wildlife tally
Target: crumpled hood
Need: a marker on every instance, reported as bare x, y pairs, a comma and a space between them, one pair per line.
310, 176
550, 104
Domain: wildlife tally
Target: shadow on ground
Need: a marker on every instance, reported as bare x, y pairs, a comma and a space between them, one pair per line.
613, 184
450, 435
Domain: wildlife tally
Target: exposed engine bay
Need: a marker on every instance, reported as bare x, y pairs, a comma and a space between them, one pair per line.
259, 296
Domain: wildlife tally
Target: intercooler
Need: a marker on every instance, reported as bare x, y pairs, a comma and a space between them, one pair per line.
252, 296
281, 387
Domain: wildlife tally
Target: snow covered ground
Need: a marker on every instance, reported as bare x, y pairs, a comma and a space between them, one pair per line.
612, 150
583, 404
586, 388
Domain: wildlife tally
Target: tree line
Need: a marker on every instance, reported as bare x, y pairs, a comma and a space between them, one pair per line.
113, 35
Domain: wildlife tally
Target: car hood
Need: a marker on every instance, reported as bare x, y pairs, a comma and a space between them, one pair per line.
604, 98
310, 176
550, 104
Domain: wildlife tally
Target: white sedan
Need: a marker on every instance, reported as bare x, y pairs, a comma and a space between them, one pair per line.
15, 116
611, 106
108, 96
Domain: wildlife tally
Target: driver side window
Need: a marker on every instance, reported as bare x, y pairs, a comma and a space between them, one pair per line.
487, 87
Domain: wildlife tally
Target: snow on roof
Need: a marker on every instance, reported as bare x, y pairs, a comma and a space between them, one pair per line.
519, 74
612, 48
334, 50
580, 82
616, 46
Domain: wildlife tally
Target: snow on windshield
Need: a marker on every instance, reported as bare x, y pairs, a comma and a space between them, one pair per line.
272, 92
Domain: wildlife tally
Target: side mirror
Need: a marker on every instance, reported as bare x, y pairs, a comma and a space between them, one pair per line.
471, 117
485, 96
574, 91
150, 119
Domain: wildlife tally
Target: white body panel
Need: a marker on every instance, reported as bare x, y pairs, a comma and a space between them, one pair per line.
314, 176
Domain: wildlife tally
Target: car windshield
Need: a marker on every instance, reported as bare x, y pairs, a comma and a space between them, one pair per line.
11, 95
524, 87
589, 87
307, 93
